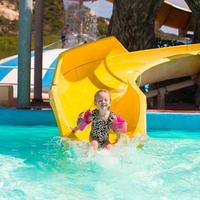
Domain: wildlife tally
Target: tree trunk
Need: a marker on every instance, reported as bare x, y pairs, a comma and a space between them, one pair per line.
194, 6
132, 22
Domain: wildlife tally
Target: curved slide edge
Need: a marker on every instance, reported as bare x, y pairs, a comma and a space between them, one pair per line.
107, 64
73, 88
75, 82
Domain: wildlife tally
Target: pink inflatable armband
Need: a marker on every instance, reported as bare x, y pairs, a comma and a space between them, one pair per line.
81, 125
119, 124
84, 121
86, 116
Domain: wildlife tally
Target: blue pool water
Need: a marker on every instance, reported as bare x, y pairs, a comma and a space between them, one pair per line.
36, 165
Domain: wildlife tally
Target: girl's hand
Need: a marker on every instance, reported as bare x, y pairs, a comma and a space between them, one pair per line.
118, 136
119, 125
74, 130
72, 134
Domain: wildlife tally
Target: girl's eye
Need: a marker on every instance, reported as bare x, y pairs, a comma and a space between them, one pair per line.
102, 100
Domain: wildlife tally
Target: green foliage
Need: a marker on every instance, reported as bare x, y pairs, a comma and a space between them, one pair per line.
53, 23
8, 27
102, 26
9, 44
48, 39
53, 16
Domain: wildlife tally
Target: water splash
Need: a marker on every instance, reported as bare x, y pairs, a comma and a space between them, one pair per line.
44, 167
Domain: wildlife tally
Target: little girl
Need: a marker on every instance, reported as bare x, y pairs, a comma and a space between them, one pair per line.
102, 120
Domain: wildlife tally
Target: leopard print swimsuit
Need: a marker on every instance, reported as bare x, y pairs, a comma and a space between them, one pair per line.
100, 128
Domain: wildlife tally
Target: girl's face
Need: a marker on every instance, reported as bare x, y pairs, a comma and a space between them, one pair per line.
103, 101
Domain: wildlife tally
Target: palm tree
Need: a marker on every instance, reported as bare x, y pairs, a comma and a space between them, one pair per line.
194, 6
132, 22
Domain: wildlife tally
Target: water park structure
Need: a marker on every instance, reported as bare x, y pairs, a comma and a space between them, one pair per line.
167, 13
39, 159
165, 63
112, 67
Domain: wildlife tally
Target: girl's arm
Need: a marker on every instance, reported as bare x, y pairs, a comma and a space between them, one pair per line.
119, 125
83, 120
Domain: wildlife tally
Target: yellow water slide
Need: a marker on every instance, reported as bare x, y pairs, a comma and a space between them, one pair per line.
105, 63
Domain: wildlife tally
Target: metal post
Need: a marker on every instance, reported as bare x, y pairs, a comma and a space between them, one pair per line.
197, 93
161, 98
39, 7
24, 53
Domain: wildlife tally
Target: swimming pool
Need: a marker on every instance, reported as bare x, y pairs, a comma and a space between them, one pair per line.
34, 163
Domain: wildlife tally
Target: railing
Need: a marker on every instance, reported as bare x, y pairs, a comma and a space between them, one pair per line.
73, 41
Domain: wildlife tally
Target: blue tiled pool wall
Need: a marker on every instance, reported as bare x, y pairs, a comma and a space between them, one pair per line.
173, 121
155, 120
26, 117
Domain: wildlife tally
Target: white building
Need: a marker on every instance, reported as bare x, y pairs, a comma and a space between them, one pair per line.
81, 19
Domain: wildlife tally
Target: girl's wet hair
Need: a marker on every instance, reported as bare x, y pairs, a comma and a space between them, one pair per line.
99, 91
